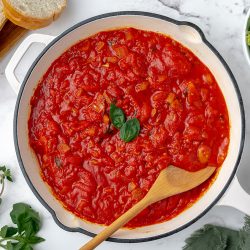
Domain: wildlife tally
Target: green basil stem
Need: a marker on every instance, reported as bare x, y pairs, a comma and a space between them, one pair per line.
2, 185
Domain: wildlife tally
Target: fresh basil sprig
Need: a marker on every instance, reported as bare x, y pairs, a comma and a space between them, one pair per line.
23, 235
129, 129
117, 116
4, 175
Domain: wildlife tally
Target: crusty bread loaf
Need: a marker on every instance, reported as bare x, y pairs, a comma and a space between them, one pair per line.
33, 14
2, 16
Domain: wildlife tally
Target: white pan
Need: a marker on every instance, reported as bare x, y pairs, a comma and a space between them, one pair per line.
187, 34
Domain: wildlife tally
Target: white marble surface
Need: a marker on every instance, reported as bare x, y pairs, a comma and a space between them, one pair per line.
222, 22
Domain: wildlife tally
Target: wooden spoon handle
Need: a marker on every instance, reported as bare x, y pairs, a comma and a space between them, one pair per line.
122, 220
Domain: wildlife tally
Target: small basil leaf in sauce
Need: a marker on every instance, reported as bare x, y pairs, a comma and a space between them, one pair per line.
130, 130
117, 116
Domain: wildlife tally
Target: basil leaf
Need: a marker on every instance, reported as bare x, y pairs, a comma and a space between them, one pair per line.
130, 130
10, 245
26, 219
26, 247
22, 246
7, 231
5, 174
34, 239
2, 168
28, 224
117, 116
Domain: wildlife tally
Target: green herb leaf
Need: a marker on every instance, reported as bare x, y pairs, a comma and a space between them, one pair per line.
22, 237
27, 247
244, 235
206, 238
22, 246
248, 38
117, 116
34, 239
5, 173
26, 219
246, 227
244, 242
130, 130
218, 238
8, 231
2, 168
10, 245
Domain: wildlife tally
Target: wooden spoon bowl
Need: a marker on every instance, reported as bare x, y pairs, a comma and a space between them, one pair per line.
171, 181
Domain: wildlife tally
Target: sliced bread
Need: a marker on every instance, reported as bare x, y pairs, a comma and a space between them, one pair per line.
2, 16
33, 14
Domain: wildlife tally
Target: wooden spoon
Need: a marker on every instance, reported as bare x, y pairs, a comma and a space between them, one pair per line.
172, 180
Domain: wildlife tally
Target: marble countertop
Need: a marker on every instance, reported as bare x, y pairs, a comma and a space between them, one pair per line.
222, 22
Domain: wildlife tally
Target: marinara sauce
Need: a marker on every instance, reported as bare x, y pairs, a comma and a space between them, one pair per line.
181, 110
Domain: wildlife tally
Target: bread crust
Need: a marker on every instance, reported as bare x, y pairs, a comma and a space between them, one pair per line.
28, 22
3, 19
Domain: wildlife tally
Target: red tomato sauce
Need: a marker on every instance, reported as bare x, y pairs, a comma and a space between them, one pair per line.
181, 110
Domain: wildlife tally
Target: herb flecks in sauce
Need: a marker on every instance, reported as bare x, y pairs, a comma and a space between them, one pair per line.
150, 77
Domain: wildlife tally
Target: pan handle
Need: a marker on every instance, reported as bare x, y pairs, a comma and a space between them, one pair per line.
236, 197
19, 53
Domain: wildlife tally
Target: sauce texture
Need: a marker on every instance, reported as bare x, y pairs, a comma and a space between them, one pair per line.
181, 110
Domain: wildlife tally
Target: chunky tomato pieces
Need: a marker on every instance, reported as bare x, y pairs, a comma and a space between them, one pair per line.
182, 113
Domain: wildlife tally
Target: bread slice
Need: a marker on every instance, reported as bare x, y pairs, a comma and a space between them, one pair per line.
33, 14
2, 16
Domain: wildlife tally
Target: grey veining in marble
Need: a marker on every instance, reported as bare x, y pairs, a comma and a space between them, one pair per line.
222, 22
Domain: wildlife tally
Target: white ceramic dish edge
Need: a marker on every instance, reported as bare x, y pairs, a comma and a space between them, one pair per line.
194, 38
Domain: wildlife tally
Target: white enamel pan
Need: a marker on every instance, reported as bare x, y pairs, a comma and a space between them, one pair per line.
187, 34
